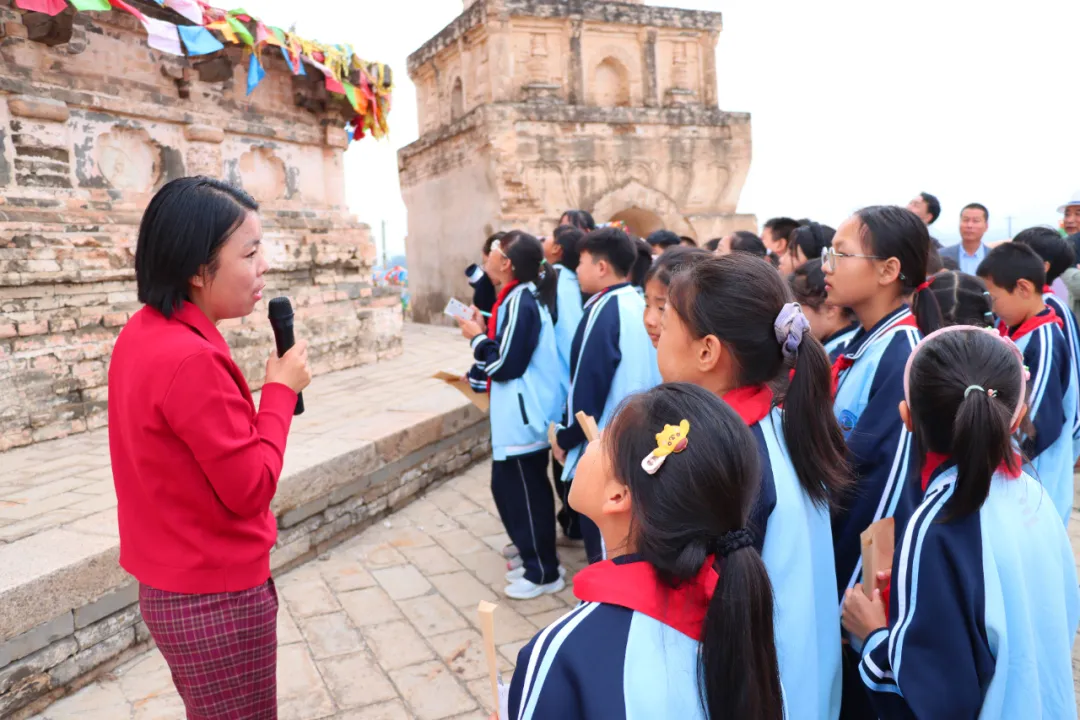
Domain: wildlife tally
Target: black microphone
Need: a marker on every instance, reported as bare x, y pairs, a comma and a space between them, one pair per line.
281, 319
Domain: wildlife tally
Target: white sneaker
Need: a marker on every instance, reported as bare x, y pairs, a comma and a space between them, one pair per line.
522, 589
510, 551
519, 572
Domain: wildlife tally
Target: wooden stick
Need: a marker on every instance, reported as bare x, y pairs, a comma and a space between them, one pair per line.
588, 425
486, 611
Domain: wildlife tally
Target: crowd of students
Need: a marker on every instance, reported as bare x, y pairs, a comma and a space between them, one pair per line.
762, 401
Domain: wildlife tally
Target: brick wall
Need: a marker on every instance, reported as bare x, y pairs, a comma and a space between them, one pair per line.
89, 130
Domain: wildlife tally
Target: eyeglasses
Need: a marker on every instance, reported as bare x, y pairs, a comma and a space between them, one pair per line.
829, 257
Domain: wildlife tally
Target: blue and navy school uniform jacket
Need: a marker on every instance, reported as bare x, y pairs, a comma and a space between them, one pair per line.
838, 341
1051, 407
629, 650
983, 610
522, 364
794, 537
568, 298
867, 403
1071, 331
611, 357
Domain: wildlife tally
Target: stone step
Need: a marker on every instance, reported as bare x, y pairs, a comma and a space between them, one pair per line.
372, 437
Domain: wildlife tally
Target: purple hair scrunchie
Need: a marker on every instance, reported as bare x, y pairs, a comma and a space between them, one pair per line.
790, 325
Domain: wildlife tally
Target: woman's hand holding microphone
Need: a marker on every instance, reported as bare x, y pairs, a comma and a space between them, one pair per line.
291, 369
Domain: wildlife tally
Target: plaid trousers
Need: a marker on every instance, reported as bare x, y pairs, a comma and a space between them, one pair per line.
221, 649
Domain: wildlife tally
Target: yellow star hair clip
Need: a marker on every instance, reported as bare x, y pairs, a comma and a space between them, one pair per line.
672, 439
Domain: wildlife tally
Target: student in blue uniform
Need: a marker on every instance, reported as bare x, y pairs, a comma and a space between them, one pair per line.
877, 260
1014, 278
518, 358
962, 298
730, 327
561, 252
611, 356
483, 289
983, 605
1058, 256
657, 280
833, 326
677, 623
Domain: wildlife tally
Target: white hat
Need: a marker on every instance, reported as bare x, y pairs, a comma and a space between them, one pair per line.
1074, 201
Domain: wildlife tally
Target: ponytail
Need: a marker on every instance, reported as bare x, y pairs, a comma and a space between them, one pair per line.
926, 309
739, 668
813, 436
526, 255
981, 444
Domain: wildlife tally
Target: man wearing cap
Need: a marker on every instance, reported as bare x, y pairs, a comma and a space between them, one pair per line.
1071, 211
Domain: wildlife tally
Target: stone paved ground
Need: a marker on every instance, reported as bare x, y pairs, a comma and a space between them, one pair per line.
382, 627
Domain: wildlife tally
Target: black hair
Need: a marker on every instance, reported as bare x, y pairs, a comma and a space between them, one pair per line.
736, 298
567, 237
1051, 247
527, 263
614, 246
932, 206
971, 427
890, 231
934, 263
672, 262
687, 241
581, 219
182, 231
663, 238
490, 240
1011, 262
963, 299
977, 206
683, 515
642, 262
810, 238
808, 286
744, 241
781, 227
712, 245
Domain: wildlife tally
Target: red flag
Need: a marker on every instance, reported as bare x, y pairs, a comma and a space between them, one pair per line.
49, 7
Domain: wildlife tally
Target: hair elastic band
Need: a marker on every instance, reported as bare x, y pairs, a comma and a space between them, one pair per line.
924, 286
980, 388
731, 541
789, 326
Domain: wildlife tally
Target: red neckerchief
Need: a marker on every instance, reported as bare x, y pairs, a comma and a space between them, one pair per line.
752, 402
1045, 317
635, 585
493, 321
1047, 289
935, 460
843, 362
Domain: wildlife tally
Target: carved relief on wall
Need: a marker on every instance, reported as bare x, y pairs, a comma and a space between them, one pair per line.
680, 71
638, 170
128, 159
586, 180
633, 194
457, 100
262, 174
536, 64
547, 185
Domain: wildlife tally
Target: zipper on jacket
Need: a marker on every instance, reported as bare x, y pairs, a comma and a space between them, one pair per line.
521, 404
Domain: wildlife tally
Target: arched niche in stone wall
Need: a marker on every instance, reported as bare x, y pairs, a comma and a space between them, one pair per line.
641, 202
611, 83
262, 173
457, 100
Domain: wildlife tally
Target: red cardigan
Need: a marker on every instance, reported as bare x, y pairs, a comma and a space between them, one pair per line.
195, 466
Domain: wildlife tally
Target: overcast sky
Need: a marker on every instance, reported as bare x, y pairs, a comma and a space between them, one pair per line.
853, 102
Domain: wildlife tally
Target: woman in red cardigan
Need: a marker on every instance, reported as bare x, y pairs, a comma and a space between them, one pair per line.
195, 465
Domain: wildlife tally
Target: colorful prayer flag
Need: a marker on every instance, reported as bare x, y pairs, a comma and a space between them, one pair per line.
121, 5
198, 40
255, 73
161, 35
350, 92
334, 85
241, 31
49, 7
188, 8
92, 5
225, 29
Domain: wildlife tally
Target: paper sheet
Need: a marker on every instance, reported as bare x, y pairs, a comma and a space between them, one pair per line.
481, 400
162, 35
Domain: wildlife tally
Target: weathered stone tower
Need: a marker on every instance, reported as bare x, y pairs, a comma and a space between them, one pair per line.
529, 108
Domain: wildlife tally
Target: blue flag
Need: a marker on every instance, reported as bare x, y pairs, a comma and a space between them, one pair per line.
199, 40
255, 73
